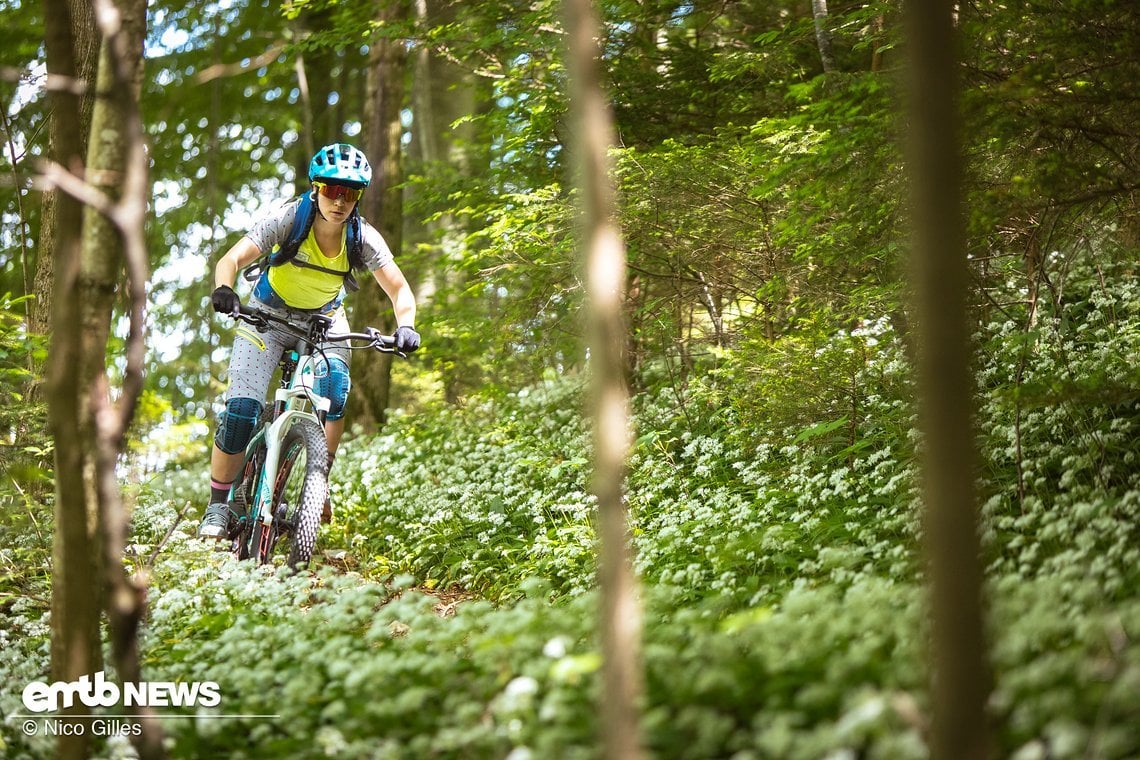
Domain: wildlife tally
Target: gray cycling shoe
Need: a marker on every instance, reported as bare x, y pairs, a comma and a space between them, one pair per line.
216, 522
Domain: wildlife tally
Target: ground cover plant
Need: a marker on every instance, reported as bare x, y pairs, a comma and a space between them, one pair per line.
453, 613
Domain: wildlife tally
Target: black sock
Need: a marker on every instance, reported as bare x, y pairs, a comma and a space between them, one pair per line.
219, 492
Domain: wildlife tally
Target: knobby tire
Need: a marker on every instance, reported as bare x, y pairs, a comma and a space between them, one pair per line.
298, 496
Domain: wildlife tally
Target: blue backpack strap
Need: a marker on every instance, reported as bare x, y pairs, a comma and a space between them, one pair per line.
354, 240
354, 243
302, 223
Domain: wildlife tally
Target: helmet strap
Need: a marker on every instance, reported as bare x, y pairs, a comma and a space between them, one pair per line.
317, 203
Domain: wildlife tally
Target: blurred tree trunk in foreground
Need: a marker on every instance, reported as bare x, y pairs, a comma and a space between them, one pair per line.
960, 677
75, 647
606, 276
88, 427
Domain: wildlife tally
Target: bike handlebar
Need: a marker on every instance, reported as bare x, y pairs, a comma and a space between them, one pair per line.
316, 331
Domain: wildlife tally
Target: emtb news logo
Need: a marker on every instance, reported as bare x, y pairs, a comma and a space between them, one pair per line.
99, 692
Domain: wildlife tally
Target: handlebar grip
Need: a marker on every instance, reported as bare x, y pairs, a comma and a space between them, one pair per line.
380, 339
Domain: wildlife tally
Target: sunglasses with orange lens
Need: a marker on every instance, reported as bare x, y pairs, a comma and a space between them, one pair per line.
334, 192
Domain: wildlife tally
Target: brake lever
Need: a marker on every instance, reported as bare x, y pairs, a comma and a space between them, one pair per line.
378, 344
256, 320
381, 348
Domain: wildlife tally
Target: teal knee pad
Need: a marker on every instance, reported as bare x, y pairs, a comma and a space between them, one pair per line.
334, 383
235, 426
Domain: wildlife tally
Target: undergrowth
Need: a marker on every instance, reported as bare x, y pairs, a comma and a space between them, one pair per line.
778, 550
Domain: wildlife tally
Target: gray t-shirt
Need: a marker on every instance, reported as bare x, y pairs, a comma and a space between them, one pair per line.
272, 228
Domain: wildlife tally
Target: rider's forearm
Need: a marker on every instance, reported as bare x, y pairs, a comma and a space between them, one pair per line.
243, 253
404, 305
225, 272
394, 283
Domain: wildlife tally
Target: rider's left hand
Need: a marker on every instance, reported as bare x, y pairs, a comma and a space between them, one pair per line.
407, 339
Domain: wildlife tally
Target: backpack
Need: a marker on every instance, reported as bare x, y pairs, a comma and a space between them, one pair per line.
286, 252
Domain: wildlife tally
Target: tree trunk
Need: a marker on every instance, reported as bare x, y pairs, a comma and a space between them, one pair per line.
89, 432
101, 268
606, 276
75, 20
313, 67
75, 647
443, 90
876, 44
382, 205
114, 245
823, 35
960, 677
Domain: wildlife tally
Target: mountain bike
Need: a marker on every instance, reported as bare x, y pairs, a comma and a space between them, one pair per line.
279, 496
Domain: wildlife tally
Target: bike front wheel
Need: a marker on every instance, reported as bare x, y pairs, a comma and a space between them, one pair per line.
298, 497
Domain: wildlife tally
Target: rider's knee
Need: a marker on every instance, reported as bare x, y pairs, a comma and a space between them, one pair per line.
334, 384
235, 426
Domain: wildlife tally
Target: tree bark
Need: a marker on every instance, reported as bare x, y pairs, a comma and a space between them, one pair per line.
382, 205
114, 244
960, 685
67, 136
876, 46
75, 641
606, 276
823, 35
313, 67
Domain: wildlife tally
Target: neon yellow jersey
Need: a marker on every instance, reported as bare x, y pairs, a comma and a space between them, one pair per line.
304, 288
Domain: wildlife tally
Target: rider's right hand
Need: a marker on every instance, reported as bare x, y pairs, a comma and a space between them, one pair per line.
407, 339
225, 300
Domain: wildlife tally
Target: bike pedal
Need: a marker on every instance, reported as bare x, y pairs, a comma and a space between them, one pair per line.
237, 525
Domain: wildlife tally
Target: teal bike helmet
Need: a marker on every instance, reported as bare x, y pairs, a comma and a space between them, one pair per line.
342, 164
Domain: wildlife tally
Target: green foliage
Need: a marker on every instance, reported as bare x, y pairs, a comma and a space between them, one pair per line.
24, 657
1062, 430
365, 676
491, 322
483, 498
23, 137
1074, 155
25, 459
354, 668
784, 610
25, 522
